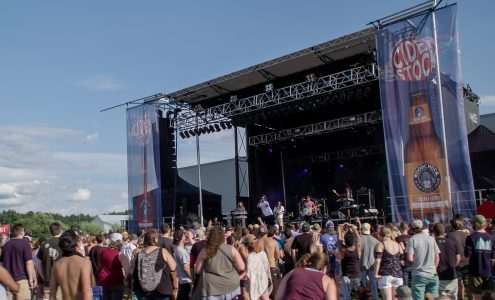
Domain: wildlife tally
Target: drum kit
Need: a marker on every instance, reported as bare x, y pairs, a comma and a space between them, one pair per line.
319, 211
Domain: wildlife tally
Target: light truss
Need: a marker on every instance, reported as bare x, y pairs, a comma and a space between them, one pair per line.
299, 91
338, 155
316, 128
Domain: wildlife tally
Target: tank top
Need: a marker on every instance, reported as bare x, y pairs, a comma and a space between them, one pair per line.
390, 264
350, 264
305, 283
165, 287
110, 274
220, 276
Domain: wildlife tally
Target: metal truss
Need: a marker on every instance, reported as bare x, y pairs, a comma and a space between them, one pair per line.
322, 48
317, 128
338, 155
295, 92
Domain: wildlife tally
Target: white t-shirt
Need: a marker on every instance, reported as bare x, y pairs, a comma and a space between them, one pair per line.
279, 212
265, 208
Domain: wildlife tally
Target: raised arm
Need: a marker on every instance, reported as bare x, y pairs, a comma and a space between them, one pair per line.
8, 281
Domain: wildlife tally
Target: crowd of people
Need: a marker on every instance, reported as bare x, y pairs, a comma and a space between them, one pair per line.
260, 261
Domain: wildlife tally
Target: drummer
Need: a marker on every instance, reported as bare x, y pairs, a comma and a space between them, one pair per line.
308, 209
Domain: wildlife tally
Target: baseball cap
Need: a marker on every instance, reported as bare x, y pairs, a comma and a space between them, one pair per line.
416, 223
330, 225
305, 227
116, 237
263, 230
200, 234
403, 292
480, 219
366, 228
426, 223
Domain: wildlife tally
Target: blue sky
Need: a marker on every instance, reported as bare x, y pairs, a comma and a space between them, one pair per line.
61, 62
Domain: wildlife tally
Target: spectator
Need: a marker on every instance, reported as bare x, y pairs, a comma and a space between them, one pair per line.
272, 252
165, 239
128, 250
449, 259
480, 248
94, 254
349, 254
403, 239
220, 266
153, 259
308, 280
459, 235
111, 274
403, 292
197, 247
423, 252
7, 283
302, 243
288, 259
18, 260
367, 264
49, 252
72, 272
182, 261
316, 245
258, 271
388, 271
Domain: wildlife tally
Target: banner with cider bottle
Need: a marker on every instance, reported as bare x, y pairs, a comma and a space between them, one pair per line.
423, 117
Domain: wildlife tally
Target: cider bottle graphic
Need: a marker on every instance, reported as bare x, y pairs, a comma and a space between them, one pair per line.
425, 164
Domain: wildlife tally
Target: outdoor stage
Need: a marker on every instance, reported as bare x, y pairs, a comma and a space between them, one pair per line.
308, 122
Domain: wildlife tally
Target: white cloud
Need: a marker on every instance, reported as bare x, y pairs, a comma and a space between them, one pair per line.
124, 196
90, 139
7, 191
81, 195
100, 83
487, 100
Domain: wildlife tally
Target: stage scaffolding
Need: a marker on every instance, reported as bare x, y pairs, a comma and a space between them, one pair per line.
314, 86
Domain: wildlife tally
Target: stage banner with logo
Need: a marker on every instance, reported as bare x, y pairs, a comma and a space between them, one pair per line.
4, 229
143, 167
423, 117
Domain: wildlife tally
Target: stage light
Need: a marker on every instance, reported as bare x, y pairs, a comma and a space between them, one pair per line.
187, 134
217, 127
212, 129
233, 98
182, 135
197, 131
191, 132
223, 125
270, 150
341, 166
306, 170
229, 125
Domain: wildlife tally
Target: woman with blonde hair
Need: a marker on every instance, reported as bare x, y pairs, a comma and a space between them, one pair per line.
316, 245
308, 280
389, 259
258, 271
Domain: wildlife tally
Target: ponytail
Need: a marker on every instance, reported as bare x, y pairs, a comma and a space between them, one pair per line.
316, 260
303, 261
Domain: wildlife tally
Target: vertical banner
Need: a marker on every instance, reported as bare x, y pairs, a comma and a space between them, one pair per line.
423, 117
143, 167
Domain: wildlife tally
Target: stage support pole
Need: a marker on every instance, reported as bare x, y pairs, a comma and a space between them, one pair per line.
237, 188
198, 159
283, 177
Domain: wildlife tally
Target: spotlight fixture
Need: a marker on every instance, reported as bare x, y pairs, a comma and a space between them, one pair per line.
212, 129
269, 87
223, 125
217, 127
182, 135
197, 131
229, 125
192, 132
187, 134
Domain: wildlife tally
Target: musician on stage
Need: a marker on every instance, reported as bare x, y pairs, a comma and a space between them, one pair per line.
240, 215
266, 211
309, 209
348, 198
279, 212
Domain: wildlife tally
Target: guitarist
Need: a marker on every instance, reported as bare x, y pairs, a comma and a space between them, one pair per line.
309, 209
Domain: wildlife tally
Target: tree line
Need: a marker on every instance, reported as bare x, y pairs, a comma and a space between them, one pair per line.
37, 224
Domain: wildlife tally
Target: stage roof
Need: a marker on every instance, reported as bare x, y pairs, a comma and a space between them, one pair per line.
309, 58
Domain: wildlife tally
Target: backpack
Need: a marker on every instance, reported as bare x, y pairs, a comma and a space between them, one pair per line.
148, 277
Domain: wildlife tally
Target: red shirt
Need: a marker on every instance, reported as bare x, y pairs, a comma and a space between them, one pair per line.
111, 273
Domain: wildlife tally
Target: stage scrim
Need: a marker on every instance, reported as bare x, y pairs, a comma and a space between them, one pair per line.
143, 160
423, 117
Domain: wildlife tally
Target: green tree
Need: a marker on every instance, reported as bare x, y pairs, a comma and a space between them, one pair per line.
90, 228
115, 227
